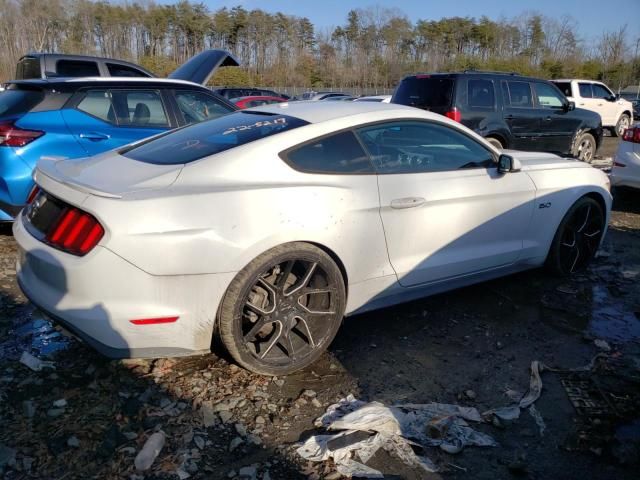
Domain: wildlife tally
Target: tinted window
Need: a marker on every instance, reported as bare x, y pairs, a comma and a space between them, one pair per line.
212, 136
600, 92
548, 97
198, 106
565, 88
415, 147
339, 153
480, 94
76, 68
116, 70
13, 102
424, 92
98, 104
520, 94
585, 90
28, 67
139, 108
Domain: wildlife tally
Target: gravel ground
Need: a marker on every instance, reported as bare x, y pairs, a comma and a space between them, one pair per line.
89, 417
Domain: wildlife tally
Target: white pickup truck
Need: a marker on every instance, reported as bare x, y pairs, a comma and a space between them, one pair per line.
616, 112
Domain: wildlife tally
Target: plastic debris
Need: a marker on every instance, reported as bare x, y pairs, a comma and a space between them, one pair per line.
35, 363
533, 411
150, 451
602, 344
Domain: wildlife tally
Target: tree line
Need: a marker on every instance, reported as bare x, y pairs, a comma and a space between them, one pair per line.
372, 48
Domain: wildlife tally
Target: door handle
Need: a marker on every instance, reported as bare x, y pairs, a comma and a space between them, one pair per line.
407, 202
581, 104
547, 119
508, 117
95, 136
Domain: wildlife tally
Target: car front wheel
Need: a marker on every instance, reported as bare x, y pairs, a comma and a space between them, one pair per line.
577, 238
585, 147
282, 310
623, 123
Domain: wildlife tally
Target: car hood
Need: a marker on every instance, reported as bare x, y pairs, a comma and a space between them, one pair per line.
108, 175
544, 161
200, 68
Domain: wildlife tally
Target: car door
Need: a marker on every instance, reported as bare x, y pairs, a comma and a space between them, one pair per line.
446, 209
520, 115
103, 118
558, 126
606, 103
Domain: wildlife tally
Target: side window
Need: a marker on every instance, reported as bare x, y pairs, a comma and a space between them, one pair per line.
520, 94
139, 108
77, 68
339, 153
585, 90
548, 97
98, 104
198, 106
480, 94
416, 147
600, 92
116, 70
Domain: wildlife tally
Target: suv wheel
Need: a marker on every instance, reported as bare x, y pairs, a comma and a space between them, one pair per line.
495, 142
623, 123
585, 147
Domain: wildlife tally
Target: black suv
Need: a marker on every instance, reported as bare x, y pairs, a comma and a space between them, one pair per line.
509, 110
47, 65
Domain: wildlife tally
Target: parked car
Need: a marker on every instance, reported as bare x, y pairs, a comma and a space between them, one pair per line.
80, 117
339, 98
632, 94
316, 96
509, 110
625, 171
239, 92
374, 98
616, 112
281, 219
49, 65
253, 101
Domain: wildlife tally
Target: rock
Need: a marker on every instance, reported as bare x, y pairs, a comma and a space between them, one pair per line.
333, 476
73, 442
60, 403
55, 412
113, 439
232, 474
499, 345
241, 429
254, 439
7, 456
266, 475
226, 405
235, 443
150, 451
34, 363
260, 420
602, 345
27, 463
225, 416
309, 393
470, 394
199, 441
208, 417
182, 475
279, 382
316, 403
28, 408
249, 472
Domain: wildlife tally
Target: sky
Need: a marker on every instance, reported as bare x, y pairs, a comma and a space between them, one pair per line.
593, 16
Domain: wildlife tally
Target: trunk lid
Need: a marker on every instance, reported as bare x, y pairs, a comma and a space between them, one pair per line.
107, 175
200, 68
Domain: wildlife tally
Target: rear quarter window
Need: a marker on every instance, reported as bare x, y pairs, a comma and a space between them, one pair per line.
77, 68
28, 67
424, 92
481, 94
18, 102
200, 140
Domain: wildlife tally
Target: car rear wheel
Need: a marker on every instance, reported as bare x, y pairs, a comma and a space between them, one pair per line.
577, 238
495, 142
585, 147
623, 123
282, 310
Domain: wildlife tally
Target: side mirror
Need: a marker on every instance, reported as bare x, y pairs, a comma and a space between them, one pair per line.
569, 106
507, 164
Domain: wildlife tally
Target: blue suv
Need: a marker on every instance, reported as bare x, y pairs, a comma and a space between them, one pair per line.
79, 117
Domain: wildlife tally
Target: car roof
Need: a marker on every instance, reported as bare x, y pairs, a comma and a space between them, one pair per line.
576, 80
73, 83
478, 73
318, 112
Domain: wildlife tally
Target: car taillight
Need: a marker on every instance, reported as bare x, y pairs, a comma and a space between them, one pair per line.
32, 194
75, 232
631, 135
454, 114
12, 136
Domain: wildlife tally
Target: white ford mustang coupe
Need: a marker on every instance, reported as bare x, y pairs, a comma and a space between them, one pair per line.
266, 226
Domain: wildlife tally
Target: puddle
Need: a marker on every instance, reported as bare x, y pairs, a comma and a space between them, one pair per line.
34, 334
611, 319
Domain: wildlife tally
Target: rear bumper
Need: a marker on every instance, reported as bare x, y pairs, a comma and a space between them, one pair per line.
629, 175
97, 296
15, 183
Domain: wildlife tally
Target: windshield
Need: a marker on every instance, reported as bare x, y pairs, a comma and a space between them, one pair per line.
424, 92
17, 102
213, 136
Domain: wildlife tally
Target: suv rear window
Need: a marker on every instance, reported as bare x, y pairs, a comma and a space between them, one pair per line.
424, 92
210, 137
16, 102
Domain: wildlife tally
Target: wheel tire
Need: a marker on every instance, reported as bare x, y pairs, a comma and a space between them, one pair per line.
621, 125
584, 148
495, 142
577, 238
306, 323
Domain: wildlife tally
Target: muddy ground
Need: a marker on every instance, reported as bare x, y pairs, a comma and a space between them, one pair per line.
89, 417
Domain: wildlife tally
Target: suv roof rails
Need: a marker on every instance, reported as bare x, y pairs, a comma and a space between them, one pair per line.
492, 72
